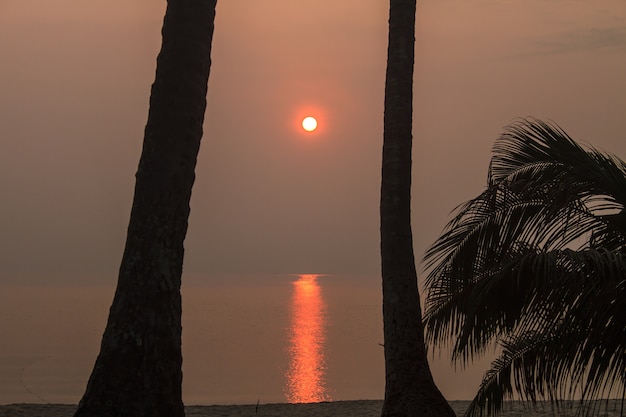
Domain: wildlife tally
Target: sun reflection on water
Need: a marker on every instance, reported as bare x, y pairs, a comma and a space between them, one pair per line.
306, 378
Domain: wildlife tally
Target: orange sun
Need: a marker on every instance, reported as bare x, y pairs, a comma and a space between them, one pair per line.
309, 123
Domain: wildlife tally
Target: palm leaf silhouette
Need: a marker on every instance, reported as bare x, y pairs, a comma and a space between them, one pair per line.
536, 264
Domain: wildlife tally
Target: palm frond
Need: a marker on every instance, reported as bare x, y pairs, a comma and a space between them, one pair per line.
536, 261
536, 157
580, 354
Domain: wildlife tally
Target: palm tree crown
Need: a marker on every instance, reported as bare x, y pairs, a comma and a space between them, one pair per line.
536, 265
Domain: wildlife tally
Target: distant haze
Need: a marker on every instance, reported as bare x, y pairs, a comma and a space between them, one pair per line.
76, 79
269, 198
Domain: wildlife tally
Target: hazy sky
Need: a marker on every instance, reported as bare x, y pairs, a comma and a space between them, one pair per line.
75, 79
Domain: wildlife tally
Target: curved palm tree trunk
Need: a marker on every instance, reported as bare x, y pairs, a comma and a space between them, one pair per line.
139, 369
409, 386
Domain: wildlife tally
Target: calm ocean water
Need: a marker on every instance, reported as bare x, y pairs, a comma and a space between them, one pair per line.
273, 338
266, 338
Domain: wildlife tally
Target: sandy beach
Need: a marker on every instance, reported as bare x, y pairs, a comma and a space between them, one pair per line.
358, 408
364, 408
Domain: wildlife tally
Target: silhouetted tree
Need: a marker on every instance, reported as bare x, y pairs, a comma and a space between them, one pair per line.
409, 386
139, 369
537, 263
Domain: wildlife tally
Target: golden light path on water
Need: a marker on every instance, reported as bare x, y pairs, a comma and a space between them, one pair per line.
306, 377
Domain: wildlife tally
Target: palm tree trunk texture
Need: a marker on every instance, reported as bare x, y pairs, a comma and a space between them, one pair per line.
139, 369
409, 386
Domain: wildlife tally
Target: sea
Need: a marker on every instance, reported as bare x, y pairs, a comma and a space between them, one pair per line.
247, 339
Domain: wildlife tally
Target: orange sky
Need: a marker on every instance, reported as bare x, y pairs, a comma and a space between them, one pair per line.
75, 78
75, 83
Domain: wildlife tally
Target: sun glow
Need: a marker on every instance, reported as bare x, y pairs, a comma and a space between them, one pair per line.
309, 123
306, 378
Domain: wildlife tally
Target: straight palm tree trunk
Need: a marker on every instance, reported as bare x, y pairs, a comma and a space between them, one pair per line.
139, 369
409, 386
